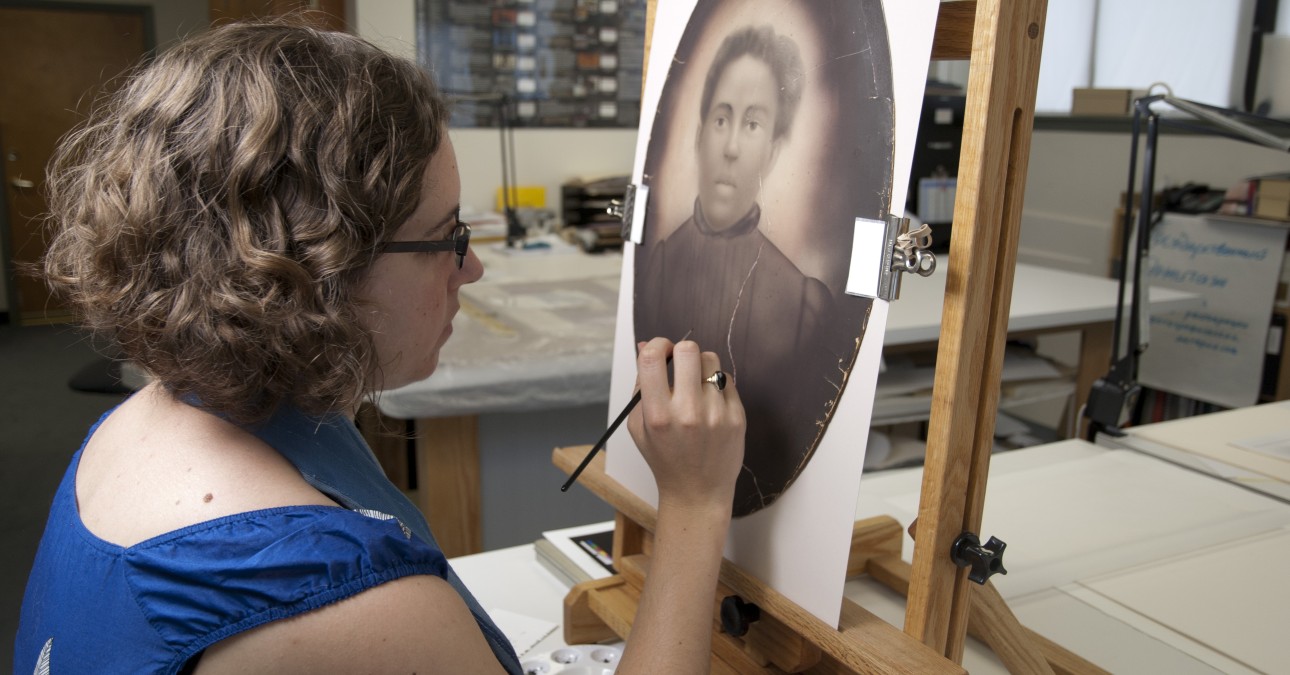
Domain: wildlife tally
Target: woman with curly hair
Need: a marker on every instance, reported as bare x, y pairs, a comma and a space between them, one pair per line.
266, 219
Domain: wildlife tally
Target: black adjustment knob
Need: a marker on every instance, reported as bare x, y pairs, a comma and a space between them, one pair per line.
985, 561
737, 615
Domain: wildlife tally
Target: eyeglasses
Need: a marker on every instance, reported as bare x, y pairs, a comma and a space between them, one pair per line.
457, 242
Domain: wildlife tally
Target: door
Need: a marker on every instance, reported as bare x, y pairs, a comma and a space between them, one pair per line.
54, 62
321, 14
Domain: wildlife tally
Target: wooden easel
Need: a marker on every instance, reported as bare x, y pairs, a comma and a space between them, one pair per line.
1003, 39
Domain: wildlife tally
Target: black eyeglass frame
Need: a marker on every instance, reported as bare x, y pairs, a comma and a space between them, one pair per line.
458, 242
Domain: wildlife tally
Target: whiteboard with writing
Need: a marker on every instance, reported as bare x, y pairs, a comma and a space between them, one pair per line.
1213, 353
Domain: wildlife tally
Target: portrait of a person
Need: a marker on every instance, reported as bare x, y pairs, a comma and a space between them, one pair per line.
783, 334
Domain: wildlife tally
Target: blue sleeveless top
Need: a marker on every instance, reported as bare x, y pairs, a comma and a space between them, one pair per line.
94, 607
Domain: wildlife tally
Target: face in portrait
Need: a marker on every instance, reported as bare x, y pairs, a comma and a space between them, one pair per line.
737, 144
773, 134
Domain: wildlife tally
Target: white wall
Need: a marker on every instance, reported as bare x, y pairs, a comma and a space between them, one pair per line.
1075, 180
546, 157
390, 24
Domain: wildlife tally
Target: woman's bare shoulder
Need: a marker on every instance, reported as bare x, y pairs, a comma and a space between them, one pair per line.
156, 465
414, 624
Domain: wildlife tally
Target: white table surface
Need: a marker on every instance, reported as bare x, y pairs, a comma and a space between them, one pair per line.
1042, 298
1078, 519
1246, 446
537, 332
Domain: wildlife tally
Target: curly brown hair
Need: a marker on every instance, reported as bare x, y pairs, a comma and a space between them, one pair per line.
215, 215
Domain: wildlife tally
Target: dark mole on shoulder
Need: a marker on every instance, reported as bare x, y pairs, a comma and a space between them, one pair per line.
208, 497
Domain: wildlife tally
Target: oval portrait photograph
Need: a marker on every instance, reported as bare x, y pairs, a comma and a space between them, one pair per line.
770, 140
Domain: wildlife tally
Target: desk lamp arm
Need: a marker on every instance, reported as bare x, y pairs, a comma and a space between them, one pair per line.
1115, 395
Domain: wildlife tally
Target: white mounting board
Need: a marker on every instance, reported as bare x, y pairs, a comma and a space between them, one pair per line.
799, 545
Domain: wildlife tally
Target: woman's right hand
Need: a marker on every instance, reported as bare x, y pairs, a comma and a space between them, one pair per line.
690, 433
692, 436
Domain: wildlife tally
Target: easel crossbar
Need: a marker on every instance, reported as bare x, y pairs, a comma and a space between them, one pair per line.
789, 639
864, 643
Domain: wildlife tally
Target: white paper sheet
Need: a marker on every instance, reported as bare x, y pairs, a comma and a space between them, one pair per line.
1073, 512
1211, 436
864, 277
1276, 445
524, 632
1235, 267
1233, 598
1098, 520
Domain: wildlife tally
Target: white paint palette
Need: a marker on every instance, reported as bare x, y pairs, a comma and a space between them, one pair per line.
574, 660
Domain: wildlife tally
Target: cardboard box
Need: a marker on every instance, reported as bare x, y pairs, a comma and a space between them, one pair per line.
1104, 102
1274, 188
1273, 209
1273, 200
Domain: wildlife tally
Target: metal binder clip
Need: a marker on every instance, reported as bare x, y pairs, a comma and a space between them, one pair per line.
905, 252
624, 209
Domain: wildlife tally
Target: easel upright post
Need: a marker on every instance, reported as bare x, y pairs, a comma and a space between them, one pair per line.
1005, 39
1004, 70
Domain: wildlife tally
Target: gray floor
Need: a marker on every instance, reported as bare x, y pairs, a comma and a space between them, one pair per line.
42, 423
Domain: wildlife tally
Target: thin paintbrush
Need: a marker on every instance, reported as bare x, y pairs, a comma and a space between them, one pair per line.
627, 410
603, 439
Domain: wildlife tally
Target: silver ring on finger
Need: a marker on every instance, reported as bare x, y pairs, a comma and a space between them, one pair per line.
717, 379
